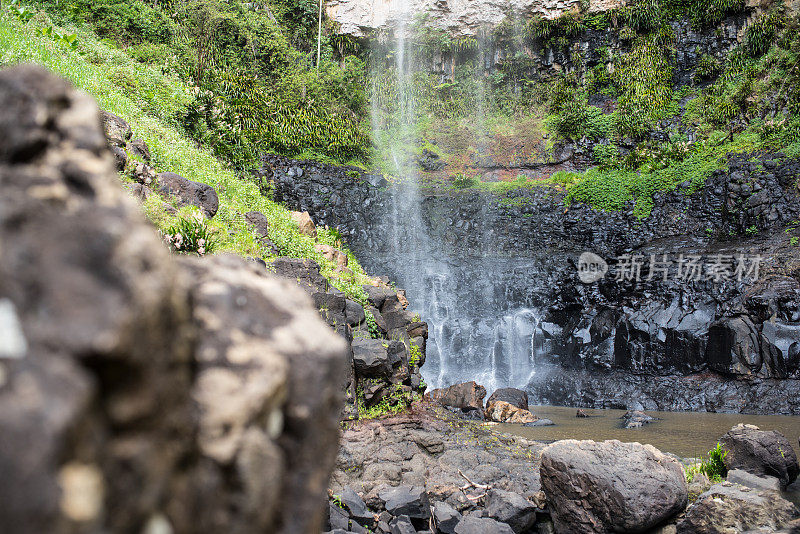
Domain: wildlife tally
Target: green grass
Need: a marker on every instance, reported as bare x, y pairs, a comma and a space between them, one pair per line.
150, 101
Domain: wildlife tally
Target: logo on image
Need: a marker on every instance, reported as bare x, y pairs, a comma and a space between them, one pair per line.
591, 267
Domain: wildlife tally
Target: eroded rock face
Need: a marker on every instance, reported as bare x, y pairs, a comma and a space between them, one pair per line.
761, 453
461, 17
611, 486
649, 346
137, 389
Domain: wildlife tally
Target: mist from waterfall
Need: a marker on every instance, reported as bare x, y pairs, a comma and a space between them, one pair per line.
468, 340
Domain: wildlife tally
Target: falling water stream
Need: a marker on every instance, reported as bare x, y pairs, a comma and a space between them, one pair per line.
474, 336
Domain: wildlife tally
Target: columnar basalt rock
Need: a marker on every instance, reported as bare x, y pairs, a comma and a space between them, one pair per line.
140, 392
656, 344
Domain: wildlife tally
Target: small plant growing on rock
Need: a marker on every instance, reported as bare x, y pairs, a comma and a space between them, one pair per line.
415, 356
372, 326
190, 236
714, 467
462, 181
393, 402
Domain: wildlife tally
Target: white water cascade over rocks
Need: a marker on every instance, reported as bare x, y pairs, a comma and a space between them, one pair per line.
474, 335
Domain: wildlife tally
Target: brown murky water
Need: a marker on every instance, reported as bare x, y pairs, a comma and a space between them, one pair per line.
685, 434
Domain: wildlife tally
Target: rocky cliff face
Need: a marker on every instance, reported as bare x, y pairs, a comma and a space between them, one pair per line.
460, 17
674, 344
140, 392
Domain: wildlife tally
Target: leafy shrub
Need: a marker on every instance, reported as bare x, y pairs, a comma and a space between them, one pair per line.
606, 155
713, 467
567, 25
415, 356
23, 13
707, 67
645, 80
462, 181
125, 21
760, 34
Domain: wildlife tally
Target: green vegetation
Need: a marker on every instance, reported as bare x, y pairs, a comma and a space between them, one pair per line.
729, 107
249, 67
239, 78
759, 76
190, 235
713, 467
150, 100
392, 402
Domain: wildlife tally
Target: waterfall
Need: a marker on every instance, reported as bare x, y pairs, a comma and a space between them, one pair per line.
474, 332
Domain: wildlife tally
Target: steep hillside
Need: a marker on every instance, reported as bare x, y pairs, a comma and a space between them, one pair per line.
152, 101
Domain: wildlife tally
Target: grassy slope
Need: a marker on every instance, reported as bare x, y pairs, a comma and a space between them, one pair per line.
146, 99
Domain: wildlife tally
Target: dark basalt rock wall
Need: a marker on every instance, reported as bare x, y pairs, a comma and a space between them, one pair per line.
732, 345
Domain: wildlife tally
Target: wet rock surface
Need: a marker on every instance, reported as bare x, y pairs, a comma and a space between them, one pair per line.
669, 345
139, 391
466, 397
513, 396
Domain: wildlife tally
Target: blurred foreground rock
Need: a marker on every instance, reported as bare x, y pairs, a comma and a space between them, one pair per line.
140, 392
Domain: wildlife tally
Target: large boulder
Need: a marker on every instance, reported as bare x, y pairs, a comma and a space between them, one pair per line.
611, 486
730, 508
269, 381
377, 295
189, 193
466, 396
95, 410
760, 452
140, 392
636, 419
503, 412
354, 313
515, 397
